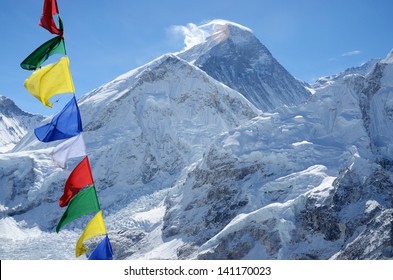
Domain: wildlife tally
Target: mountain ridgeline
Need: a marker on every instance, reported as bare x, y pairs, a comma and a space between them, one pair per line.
215, 152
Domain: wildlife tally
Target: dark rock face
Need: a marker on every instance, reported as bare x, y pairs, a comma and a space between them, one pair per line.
354, 214
375, 242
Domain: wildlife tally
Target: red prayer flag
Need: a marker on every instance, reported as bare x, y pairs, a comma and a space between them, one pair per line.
79, 178
47, 22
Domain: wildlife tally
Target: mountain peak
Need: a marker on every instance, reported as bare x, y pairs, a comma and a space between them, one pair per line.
14, 123
232, 55
220, 30
389, 57
212, 33
8, 107
217, 23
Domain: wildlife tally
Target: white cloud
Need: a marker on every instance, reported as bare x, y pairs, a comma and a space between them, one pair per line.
192, 33
351, 53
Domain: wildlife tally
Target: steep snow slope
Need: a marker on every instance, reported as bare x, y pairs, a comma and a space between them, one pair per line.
378, 109
235, 57
14, 123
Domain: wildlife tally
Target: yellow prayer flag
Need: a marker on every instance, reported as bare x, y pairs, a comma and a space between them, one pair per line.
95, 227
50, 80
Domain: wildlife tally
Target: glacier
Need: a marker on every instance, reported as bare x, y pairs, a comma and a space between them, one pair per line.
194, 159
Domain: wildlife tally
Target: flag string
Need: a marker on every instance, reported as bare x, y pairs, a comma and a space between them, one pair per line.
80, 195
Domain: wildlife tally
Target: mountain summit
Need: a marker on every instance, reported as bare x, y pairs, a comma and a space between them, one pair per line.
389, 57
232, 55
14, 123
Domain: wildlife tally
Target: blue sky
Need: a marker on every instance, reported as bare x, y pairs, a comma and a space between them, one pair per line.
105, 39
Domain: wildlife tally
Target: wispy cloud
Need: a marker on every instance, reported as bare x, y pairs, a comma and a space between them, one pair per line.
192, 33
195, 34
351, 53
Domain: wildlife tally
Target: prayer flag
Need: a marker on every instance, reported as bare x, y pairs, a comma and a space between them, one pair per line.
50, 9
66, 124
36, 58
79, 178
103, 251
71, 148
50, 80
83, 203
95, 227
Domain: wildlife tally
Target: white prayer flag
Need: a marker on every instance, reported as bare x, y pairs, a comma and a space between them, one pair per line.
71, 148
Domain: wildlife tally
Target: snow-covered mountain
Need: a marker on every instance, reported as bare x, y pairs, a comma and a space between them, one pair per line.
186, 167
234, 56
14, 123
140, 130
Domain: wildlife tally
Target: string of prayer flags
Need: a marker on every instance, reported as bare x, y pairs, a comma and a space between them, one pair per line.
66, 124
50, 80
71, 148
50, 9
40, 55
79, 178
79, 193
103, 251
95, 227
85, 202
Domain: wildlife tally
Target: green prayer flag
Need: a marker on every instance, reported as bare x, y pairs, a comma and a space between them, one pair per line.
36, 58
83, 203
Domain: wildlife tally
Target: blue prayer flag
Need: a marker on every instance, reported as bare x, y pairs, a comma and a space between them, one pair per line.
103, 251
65, 124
